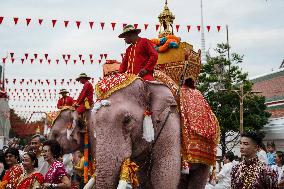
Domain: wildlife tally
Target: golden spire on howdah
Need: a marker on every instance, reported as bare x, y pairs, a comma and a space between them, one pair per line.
166, 19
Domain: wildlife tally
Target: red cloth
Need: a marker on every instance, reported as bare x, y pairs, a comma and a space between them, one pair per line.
87, 92
28, 182
65, 101
141, 55
12, 176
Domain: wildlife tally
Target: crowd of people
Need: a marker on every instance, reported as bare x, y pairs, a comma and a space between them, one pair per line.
260, 167
40, 164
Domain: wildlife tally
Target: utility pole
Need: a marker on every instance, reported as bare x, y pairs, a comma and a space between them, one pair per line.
203, 53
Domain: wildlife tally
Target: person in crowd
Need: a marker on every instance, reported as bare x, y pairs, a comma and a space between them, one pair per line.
224, 176
261, 154
279, 167
140, 57
56, 176
36, 147
79, 169
65, 100
30, 179
252, 173
271, 155
14, 171
2, 164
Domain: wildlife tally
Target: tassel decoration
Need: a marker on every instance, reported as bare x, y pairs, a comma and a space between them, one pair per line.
148, 129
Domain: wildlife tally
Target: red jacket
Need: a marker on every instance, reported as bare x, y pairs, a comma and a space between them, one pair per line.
87, 92
65, 101
141, 55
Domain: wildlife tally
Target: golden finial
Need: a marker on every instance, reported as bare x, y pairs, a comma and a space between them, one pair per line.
166, 19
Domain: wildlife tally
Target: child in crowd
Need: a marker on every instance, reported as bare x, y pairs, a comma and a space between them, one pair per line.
271, 155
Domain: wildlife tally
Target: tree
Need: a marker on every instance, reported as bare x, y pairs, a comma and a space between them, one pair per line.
220, 73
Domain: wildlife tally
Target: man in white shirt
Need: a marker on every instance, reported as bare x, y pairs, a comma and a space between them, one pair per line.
36, 144
224, 176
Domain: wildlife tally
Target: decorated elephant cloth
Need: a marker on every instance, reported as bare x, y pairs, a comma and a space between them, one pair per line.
200, 128
199, 125
108, 85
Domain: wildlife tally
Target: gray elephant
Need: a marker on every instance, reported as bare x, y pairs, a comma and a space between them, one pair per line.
118, 130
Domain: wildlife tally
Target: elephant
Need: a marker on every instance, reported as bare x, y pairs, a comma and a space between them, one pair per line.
115, 133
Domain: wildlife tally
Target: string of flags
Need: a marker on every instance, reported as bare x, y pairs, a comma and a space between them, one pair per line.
91, 24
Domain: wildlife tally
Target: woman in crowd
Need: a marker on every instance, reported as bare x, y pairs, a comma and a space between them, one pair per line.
15, 170
279, 167
261, 154
224, 176
31, 179
56, 176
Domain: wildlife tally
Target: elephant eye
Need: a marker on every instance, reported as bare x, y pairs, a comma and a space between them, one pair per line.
127, 119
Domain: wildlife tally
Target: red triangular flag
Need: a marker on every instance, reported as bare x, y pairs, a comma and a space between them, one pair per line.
40, 61
32, 60
92, 61
83, 61
16, 20
22, 60
78, 24
80, 56
100, 61
66, 62
40, 21
102, 25
146, 26
66, 23
75, 61
12, 55
123, 25
101, 55
35, 56
177, 27
68, 56
105, 55
91, 56
198, 28
157, 27
28, 21
57, 61
188, 28
218, 28
63, 56
1, 19
208, 28
91, 24
53, 22
135, 26
26, 55
12, 60
49, 61
46, 55
113, 25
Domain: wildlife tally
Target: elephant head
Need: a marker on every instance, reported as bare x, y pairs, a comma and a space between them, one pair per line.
119, 130
59, 132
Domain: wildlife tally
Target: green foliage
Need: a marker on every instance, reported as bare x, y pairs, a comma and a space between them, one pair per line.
220, 81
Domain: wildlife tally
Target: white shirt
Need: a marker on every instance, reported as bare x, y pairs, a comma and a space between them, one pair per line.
224, 176
278, 170
67, 161
262, 156
42, 165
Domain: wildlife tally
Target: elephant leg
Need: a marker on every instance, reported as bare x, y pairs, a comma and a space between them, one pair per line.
166, 164
198, 176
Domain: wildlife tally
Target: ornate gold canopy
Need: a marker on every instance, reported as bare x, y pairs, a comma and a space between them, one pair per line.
166, 19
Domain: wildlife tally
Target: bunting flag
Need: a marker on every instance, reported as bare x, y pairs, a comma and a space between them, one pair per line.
11, 54
177, 27
135, 26
40, 21
53, 22
157, 27
66, 22
91, 23
1, 19
218, 28
208, 28
28, 20
198, 28
146, 26
16, 20
113, 25
123, 25
78, 23
188, 27
102, 25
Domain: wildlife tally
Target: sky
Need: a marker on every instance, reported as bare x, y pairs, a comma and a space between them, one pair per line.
256, 30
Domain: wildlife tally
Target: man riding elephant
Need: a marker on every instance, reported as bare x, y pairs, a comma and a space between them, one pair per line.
84, 101
140, 57
65, 100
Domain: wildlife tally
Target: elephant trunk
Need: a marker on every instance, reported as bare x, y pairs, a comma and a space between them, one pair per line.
109, 157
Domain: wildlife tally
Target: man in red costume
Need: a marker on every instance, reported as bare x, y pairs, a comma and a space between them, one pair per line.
140, 57
84, 101
65, 100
